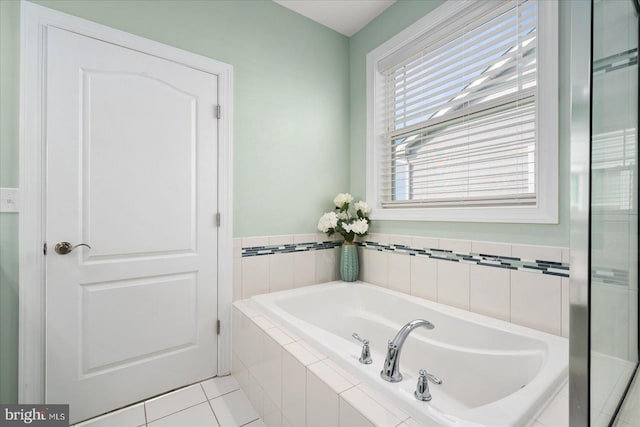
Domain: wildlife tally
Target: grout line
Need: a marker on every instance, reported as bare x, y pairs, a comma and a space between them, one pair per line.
249, 421
211, 407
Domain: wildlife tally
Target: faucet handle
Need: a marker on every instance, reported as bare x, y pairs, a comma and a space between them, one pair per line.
422, 388
359, 338
365, 356
430, 377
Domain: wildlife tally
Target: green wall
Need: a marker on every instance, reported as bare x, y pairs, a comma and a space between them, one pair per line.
388, 24
291, 115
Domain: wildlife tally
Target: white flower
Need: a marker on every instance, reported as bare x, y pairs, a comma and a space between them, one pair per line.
342, 198
343, 216
327, 222
360, 226
364, 207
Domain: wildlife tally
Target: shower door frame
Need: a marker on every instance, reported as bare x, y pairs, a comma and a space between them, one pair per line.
581, 69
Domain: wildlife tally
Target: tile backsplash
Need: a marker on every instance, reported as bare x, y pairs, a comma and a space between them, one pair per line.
523, 284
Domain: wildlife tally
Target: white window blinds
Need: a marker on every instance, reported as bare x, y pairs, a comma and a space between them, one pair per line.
460, 111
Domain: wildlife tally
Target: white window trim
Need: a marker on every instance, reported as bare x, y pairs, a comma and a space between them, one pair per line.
35, 20
546, 209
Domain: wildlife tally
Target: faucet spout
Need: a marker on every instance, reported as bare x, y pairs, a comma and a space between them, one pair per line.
391, 368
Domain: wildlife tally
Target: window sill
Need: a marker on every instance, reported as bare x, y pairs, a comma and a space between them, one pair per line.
518, 215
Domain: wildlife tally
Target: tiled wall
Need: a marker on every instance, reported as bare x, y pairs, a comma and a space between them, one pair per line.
523, 284
290, 383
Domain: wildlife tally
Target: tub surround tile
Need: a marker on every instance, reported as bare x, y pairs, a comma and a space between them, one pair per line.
395, 240
247, 307
453, 284
325, 373
566, 256
252, 242
383, 402
377, 268
424, 277
304, 269
536, 301
300, 353
457, 246
233, 409
294, 389
256, 397
327, 262
320, 355
400, 273
371, 409
425, 243
220, 385
286, 239
279, 336
322, 403
556, 414
565, 307
264, 323
305, 238
490, 248
237, 279
280, 272
350, 417
272, 414
537, 253
173, 402
490, 292
271, 378
342, 372
255, 274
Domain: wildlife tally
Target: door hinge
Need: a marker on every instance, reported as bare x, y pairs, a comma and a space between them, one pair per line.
218, 112
44, 249
218, 219
218, 327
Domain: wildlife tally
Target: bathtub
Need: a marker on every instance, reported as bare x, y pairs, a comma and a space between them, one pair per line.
494, 373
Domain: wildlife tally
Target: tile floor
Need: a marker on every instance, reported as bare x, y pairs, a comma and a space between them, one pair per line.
211, 403
629, 415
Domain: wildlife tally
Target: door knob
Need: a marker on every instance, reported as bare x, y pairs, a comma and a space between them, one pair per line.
64, 248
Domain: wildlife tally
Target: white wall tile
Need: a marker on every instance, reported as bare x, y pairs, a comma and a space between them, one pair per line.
237, 247
533, 253
377, 265
383, 239
566, 255
285, 239
255, 275
272, 414
305, 238
399, 272
350, 417
565, 306
256, 397
280, 271
424, 277
301, 353
490, 291
457, 246
536, 301
304, 268
327, 261
453, 283
490, 248
249, 242
237, 279
425, 243
395, 239
322, 403
294, 389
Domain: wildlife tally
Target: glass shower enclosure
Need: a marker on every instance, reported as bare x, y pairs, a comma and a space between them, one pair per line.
604, 209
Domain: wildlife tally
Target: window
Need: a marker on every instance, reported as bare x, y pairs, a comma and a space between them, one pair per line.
462, 115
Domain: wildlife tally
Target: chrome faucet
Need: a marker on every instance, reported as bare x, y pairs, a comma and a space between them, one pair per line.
391, 369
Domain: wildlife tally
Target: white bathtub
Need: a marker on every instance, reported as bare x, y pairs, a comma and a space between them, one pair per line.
494, 373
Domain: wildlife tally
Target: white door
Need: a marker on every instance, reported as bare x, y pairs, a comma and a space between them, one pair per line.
131, 171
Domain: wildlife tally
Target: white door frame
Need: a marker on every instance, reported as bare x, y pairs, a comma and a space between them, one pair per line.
35, 20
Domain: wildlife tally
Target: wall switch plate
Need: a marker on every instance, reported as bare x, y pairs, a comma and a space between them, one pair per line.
9, 200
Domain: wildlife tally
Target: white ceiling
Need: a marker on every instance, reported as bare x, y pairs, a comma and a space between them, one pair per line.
344, 16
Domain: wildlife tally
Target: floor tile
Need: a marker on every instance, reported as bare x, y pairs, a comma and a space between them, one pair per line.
132, 416
173, 402
233, 409
196, 416
220, 385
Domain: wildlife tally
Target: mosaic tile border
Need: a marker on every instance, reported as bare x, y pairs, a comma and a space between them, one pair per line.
497, 261
289, 248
